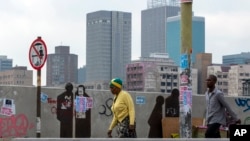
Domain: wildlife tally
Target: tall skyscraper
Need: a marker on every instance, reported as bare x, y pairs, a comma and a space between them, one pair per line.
203, 60
108, 45
5, 63
81, 75
153, 25
61, 67
174, 38
242, 58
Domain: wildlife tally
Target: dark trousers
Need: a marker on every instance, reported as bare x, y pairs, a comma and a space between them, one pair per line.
213, 131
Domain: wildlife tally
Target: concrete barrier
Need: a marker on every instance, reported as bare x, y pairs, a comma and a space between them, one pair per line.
23, 123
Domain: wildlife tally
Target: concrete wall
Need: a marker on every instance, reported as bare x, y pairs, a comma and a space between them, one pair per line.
23, 123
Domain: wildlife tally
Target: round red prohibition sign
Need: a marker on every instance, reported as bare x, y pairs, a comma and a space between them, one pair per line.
38, 53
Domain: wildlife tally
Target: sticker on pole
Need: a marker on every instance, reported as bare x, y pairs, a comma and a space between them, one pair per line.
38, 53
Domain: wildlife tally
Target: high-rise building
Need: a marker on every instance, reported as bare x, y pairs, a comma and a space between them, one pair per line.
18, 75
153, 26
5, 63
61, 67
242, 58
174, 38
82, 75
203, 60
108, 47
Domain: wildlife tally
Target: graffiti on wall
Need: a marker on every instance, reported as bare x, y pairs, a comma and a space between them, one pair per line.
243, 102
105, 109
15, 126
247, 120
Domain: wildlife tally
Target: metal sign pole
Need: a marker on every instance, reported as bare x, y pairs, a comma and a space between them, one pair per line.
38, 107
37, 58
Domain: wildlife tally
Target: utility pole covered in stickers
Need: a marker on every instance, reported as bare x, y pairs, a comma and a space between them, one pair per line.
185, 76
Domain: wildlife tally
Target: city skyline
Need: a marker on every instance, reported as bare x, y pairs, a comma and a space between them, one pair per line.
62, 22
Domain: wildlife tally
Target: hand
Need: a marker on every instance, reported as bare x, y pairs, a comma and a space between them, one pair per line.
109, 133
131, 127
238, 121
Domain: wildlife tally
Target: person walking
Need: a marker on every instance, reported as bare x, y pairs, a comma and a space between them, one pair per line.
215, 109
123, 111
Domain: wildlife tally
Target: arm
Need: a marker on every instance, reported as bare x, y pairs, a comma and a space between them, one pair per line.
225, 105
131, 109
113, 123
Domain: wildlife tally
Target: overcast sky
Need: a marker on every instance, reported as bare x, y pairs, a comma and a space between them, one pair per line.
63, 22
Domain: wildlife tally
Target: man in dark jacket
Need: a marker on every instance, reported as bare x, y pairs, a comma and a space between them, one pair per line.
65, 111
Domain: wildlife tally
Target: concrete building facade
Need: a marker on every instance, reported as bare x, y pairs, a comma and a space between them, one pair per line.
157, 73
18, 75
203, 60
153, 26
108, 47
62, 67
222, 76
237, 76
232, 80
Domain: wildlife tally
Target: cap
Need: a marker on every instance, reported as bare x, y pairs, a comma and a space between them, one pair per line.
117, 82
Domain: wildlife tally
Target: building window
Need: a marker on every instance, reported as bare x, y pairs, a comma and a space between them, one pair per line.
175, 84
163, 76
225, 83
163, 83
168, 83
168, 91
